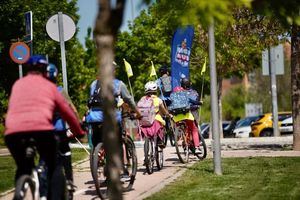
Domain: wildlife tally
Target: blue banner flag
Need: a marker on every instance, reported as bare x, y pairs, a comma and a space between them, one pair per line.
181, 52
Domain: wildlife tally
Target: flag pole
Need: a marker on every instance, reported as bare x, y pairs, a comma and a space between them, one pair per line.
130, 87
201, 96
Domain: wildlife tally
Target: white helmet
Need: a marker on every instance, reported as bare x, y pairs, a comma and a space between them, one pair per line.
151, 86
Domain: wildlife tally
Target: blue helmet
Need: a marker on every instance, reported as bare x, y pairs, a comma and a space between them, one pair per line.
37, 63
52, 72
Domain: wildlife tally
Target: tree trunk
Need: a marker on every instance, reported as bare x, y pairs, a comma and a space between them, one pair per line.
107, 24
295, 78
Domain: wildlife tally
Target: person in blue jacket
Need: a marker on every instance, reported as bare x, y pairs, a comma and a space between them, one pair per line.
62, 131
95, 115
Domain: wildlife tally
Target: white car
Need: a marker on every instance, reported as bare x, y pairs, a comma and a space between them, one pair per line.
243, 127
242, 132
286, 126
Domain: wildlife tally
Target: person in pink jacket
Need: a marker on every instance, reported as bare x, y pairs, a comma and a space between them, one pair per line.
32, 103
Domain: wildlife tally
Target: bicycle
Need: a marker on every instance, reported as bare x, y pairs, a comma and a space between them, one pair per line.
32, 186
184, 144
99, 169
35, 186
169, 132
153, 153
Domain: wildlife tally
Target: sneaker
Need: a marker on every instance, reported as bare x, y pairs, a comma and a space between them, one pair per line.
161, 144
198, 150
70, 186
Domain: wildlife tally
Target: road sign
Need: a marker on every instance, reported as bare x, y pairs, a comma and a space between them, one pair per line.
52, 27
277, 60
61, 28
28, 26
19, 52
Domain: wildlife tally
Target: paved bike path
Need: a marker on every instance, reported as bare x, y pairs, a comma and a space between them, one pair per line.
145, 184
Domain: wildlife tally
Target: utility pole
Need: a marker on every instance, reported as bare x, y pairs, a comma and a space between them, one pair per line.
272, 70
214, 102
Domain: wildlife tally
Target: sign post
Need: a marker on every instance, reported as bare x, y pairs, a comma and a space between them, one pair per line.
28, 28
19, 52
61, 28
273, 64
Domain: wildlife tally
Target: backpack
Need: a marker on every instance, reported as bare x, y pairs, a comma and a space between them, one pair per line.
95, 99
193, 95
180, 102
166, 84
147, 109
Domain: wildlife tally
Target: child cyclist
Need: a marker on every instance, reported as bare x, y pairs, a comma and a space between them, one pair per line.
156, 125
188, 117
62, 131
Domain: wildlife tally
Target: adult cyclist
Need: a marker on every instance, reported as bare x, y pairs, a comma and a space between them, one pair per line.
95, 113
32, 104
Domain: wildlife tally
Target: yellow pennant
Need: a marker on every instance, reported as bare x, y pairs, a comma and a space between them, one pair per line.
203, 67
128, 68
153, 72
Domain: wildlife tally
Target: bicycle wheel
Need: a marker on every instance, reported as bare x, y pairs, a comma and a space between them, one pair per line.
166, 138
159, 157
129, 164
91, 161
25, 188
149, 155
181, 147
203, 149
99, 171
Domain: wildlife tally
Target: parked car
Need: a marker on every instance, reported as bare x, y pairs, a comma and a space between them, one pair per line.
243, 127
206, 128
264, 126
286, 126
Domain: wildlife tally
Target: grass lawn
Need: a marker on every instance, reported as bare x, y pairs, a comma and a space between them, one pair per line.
7, 168
243, 178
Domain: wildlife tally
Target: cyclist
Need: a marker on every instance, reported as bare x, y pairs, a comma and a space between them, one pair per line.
95, 112
61, 131
194, 98
164, 83
32, 103
157, 125
188, 116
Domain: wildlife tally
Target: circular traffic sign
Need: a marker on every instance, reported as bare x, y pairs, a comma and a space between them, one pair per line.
19, 52
52, 28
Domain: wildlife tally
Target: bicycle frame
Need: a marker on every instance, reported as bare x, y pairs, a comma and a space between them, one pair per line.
183, 141
99, 168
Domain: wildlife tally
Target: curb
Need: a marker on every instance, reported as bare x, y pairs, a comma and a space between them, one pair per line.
160, 186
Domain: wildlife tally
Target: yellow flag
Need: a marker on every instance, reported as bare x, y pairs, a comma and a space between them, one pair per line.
128, 68
203, 67
153, 72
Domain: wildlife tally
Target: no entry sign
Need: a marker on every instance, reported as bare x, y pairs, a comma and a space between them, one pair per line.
19, 52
